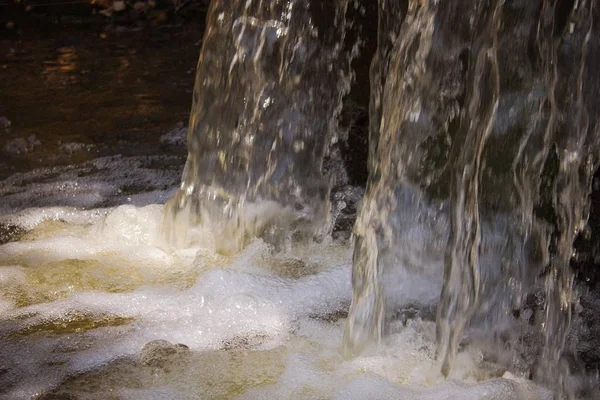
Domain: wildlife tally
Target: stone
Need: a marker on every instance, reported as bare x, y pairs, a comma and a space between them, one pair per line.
159, 353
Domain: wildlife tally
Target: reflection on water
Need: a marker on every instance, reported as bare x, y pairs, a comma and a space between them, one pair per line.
102, 91
66, 61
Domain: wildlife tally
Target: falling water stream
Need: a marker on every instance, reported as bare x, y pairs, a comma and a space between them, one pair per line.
483, 137
269, 86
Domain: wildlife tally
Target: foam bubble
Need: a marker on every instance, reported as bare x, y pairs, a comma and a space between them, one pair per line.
106, 181
31, 217
84, 291
497, 389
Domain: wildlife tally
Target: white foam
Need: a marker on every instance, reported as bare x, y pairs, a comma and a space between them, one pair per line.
104, 181
204, 300
29, 218
497, 389
176, 137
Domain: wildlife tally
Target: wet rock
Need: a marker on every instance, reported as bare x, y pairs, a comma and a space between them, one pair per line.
33, 142
176, 137
586, 264
243, 342
9, 233
22, 146
16, 146
119, 6
526, 315
140, 6
292, 268
5, 123
355, 149
159, 353
72, 148
407, 312
333, 317
587, 328
345, 205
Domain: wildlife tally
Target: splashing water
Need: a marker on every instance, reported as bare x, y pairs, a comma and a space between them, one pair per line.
465, 123
483, 133
269, 85
94, 305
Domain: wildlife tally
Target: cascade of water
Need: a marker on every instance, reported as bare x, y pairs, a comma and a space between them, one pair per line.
269, 85
484, 132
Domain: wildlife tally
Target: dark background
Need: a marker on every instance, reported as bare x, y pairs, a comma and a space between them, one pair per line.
69, 74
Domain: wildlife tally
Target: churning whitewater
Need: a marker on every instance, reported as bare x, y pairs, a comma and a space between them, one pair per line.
241, 286
96, 302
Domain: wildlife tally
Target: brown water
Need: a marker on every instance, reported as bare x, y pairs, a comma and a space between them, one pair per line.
76, 91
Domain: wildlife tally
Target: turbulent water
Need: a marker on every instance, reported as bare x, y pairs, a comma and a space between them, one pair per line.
483, 134
87, 295
269, 85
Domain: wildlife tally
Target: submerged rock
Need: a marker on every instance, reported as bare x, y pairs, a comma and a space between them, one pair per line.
158, 353
243, 342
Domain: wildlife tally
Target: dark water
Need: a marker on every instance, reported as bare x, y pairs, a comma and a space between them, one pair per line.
100, 89
80, 90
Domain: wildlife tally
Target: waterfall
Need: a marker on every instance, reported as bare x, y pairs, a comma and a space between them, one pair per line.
269, 86
483, 136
